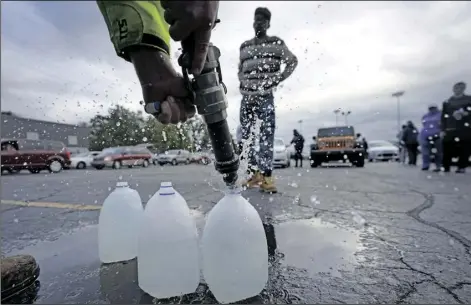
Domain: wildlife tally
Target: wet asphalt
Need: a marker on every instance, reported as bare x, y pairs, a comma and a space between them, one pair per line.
385, 233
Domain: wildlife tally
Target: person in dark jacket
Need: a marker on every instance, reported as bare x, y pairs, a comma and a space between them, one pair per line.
456, 128
410, 140
298, 141
430, 140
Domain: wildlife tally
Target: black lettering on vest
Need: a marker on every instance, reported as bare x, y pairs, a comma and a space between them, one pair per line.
123, 29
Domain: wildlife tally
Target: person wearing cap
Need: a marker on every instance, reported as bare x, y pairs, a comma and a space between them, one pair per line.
456, 128
430, 141
259, 75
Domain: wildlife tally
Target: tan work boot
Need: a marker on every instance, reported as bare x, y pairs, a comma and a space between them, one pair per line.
18, 273
268, 185
254, 181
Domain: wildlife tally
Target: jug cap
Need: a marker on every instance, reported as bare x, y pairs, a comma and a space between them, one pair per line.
166, 184
122, 184
166, 188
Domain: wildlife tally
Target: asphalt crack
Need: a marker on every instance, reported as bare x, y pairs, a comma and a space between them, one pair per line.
428, 203
434, 280
412, 290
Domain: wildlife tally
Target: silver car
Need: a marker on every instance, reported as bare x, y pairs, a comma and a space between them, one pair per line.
174, 157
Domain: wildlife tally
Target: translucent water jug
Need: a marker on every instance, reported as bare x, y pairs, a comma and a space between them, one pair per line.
234, 249
168, 263
118, 224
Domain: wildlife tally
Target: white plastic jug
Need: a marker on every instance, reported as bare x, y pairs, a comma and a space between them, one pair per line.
118, 224
235, 254
167, 261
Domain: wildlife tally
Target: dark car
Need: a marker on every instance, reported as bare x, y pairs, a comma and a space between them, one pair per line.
34, 155
118, 157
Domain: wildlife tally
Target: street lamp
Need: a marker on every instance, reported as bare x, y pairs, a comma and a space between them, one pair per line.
398, 96
300, 126
336, 112
345, 114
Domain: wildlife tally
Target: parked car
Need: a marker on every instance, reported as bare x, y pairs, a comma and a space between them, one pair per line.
174, 157
203, 158
34, 155
83, 160
382, 150
153, 149
281, 155
118, 157
77, 150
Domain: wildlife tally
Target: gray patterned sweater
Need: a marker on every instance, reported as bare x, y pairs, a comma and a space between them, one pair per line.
260, 64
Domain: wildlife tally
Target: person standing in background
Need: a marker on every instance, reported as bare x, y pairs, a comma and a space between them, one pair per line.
364, 143
410, 139
298, 141
456, 128
430, 140
259, 74
402, 146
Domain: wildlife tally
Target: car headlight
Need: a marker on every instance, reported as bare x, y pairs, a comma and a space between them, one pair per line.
108, 158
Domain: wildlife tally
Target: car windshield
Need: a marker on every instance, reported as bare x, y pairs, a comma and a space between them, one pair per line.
375, 144
112, 151
336, 132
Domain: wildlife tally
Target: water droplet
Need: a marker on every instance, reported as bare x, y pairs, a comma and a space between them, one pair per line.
270, 199
451, 242
120, 177
429, 176
144, 139
358, 219
118, 123
456, 189
299, 174
294, 185
15, 220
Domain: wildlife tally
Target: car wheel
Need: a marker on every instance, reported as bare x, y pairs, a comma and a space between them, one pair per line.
161, 164
145, 163
314, 163
99, 167
12, 171
174, 162
370, 160
154, 162
34, 171
187, 162
81, 165
54, 166
117, 164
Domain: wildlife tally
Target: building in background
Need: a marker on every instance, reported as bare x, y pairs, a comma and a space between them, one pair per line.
75, 137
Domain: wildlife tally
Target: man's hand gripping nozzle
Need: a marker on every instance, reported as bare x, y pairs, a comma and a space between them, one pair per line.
209, 96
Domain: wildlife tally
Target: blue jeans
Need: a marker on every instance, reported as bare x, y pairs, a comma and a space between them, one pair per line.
432, 145
263, 108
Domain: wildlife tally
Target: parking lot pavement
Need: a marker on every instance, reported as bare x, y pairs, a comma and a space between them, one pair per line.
385, 233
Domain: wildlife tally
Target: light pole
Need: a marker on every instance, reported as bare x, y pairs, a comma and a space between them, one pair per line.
398, 95
345, 114
300, 126
336, 112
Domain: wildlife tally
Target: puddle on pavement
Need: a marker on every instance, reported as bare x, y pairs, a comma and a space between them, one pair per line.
71, 271
316, 247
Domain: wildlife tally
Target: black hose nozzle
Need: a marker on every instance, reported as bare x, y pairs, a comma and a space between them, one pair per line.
209, 96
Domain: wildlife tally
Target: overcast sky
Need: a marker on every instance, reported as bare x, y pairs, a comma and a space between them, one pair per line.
58, 63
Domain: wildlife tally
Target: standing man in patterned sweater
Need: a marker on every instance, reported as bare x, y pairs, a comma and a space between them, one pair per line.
259, 74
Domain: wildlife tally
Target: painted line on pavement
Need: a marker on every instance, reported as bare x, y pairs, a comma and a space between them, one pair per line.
51, 205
